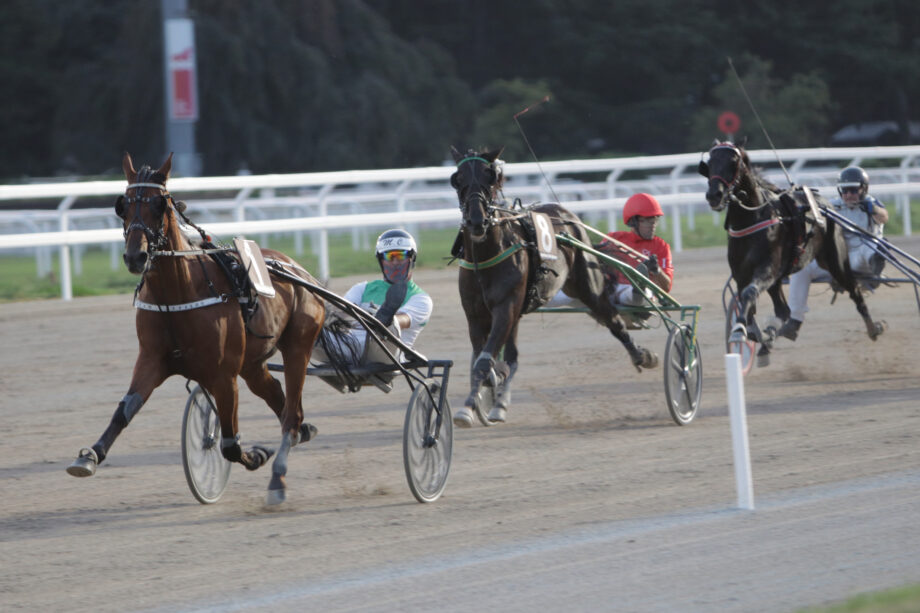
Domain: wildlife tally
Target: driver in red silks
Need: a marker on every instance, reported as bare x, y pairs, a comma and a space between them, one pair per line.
641, 213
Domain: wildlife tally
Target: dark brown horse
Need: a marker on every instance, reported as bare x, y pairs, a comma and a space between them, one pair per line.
512, 264
772, 233
194, 321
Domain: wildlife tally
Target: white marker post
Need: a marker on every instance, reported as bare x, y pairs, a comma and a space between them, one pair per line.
737, 412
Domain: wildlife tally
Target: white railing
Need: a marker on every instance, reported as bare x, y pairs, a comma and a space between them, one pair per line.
356, 201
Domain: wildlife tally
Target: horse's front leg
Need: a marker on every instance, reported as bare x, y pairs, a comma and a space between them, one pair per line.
746, 325
148, 375
747, 306
503, 319
780, 306
507, 368
226, 398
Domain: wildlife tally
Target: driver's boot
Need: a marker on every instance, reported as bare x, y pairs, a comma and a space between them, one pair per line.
790, 329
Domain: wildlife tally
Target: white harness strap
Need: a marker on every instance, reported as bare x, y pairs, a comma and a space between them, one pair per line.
154, 185
187, 306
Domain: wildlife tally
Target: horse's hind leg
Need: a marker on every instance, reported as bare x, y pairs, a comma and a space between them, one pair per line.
605, 313
147, 377
873, 328
296, 350
261, 383
836, 261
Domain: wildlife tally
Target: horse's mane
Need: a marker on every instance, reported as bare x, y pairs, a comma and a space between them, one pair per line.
148, 175
757, 174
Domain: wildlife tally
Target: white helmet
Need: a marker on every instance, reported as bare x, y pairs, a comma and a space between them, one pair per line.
396, 239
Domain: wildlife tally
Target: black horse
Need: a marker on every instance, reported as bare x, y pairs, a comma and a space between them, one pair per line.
511, 264
772, 233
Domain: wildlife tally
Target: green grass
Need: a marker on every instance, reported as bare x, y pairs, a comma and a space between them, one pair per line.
19, 280
898, 600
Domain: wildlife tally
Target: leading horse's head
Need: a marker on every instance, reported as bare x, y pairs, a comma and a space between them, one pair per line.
477, 180
726, 162
145, 211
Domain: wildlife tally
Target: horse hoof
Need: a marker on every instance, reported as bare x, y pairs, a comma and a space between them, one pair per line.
307, 432
878, 328
274, 498
258, 456
769, 335
464, 418
498, 415
85, 464
738, 334
763, 360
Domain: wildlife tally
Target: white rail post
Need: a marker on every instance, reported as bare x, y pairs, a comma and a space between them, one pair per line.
738, 417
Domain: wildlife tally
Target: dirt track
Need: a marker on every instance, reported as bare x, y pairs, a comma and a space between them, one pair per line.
589, 498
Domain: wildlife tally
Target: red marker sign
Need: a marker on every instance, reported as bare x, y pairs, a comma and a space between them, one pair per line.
729, 122
182, 91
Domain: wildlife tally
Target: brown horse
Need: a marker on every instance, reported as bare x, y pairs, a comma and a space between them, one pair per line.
512, 265
194, 321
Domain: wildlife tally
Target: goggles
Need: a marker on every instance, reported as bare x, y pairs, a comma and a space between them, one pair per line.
849, 190
395, 255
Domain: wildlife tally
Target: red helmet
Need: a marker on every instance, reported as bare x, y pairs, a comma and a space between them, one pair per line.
643, 205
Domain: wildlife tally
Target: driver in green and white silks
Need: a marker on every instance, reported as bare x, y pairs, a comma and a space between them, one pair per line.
395, 300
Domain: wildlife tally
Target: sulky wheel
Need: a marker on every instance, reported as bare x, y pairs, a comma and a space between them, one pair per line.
428, 441
683, 374
744, 348
206, 469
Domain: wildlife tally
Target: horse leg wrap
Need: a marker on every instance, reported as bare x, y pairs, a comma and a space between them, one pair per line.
749, 295
504, 394
231, 450
279, 466
127, 409
482, 366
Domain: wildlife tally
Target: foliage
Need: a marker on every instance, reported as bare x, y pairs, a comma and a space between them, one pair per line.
307, 85
795, 113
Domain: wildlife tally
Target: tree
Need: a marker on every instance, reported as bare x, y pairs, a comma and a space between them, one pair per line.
795, 112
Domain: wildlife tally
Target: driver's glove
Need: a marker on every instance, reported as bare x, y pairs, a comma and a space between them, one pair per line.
394, 299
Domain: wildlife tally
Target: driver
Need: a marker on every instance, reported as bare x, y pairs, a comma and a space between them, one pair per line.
640, 213
865, 211
396, 301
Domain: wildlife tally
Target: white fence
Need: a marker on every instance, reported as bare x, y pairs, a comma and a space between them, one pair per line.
361, 201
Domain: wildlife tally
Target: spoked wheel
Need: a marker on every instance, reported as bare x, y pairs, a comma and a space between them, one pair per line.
428, 441
206, 469
745, 347
485, 400
683, 374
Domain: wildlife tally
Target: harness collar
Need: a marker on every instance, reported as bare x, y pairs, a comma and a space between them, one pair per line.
498, 259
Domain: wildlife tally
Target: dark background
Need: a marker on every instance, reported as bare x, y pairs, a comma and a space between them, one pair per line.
310, 85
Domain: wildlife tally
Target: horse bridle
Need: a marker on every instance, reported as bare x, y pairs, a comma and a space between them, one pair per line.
486, 202
156, 239
733, 183
730, 186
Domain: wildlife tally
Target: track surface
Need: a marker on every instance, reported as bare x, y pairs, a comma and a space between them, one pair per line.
589, 498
